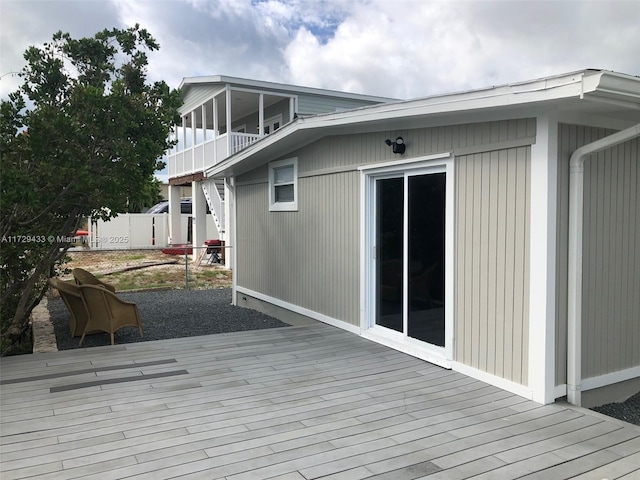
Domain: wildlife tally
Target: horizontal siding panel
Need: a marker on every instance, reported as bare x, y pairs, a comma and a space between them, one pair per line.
196, 96
315, 104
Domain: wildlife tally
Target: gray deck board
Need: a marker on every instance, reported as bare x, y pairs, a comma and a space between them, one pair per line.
294, 403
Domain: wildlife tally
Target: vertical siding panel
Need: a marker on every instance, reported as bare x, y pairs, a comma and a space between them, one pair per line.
460, 233
476, 245
493, 214
624, 176
465, 258
531, 127
602, 223
469, 258
484, 286
486, 133
448, 138
617, 244
501, 248
280, 245
477, 135
510, 264
520, 230
611, 287
608, 308
462, 135
455, 136
492, 282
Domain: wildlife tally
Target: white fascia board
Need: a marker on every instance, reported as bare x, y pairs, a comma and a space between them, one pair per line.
188, 81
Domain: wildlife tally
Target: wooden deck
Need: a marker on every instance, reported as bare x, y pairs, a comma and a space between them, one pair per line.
290, 403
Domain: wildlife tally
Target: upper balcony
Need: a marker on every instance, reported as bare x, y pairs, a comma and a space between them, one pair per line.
222, 115
204, 137
204, 155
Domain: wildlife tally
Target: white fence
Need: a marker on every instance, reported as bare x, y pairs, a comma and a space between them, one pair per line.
139, 230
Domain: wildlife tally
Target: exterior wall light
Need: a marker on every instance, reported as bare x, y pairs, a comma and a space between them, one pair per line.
398, 146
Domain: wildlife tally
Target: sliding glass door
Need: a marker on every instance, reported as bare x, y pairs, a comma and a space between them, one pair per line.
409, 218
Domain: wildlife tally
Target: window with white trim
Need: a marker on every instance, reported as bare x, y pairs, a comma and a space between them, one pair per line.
283, 185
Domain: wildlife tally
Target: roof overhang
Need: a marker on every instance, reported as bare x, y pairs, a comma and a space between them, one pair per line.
588, 91
224, 80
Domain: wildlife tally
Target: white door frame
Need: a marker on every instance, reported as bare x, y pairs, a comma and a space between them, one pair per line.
271, 121
439, 163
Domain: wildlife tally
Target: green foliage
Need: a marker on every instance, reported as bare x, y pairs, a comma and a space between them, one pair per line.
81, 137
149, 195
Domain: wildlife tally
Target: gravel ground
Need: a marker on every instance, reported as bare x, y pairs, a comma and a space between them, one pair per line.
169, 314
629, 411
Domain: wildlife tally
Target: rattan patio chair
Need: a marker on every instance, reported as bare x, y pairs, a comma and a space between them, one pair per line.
70, 294
83, 277
107, 312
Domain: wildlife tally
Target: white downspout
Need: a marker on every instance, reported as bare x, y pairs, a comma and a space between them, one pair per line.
574, 301
230, 237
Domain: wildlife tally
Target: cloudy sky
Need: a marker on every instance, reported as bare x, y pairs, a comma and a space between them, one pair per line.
394, 48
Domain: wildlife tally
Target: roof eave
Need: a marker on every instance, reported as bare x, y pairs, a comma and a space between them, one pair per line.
591, 84
613, 88
264, 85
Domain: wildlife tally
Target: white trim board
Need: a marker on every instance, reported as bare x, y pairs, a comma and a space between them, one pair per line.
503, 383
300, 310
415, 350
610, 378
420, 353
600, 381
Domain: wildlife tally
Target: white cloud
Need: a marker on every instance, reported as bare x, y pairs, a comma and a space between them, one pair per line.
415, 48
401, 48
33, 22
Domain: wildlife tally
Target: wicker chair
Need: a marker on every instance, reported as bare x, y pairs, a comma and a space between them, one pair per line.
107, 312
83, 277
70, 294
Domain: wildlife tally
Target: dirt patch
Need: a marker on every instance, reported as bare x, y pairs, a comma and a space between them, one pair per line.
149, 269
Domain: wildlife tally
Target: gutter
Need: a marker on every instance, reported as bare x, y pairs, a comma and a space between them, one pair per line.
574, 303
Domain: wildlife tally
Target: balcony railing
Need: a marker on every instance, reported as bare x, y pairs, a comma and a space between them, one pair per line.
207, 154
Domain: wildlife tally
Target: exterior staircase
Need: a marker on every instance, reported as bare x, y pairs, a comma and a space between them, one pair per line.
213, 190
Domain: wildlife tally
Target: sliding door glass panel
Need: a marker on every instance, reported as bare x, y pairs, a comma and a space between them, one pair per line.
389, 247
426, 237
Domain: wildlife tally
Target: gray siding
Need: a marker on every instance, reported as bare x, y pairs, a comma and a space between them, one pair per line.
314, 104
611, 254
251, 121
311, 257
196, 96
492, 262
